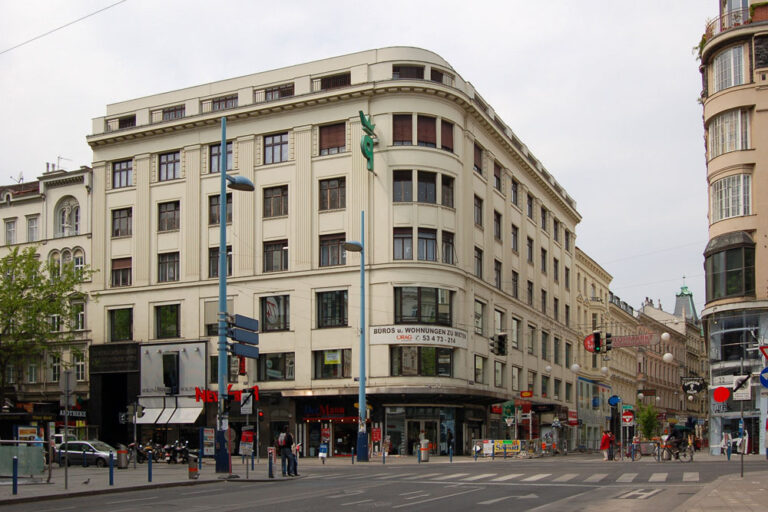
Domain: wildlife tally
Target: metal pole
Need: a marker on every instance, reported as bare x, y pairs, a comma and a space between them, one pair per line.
222, 451
741, 409
362, 434
135, 444
15, 475
67, 375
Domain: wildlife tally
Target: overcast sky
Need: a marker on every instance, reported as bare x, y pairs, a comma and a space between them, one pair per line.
603, 92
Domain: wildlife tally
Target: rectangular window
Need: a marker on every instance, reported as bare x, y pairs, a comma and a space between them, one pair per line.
276, 201
530, 293
400, 72
556, 230
515, 189
544, 223
214, 370
333, 194
544, 386
55, 322
558, 385
516, 379
478, 263
281, 366
446, 191
515, 238
478, 211
122, 174
171, 113
402, 186
568, 391
332, 250
333, 139
214, 209
277, 92
544, 301
121, 324
448, 248
403, 244
33, 229
497, 176
167, 321
409, 361
275, 148
499, 324
332, 309
543, 261
446, 135
213, 261
478, 161
426, 131
568, 355
529, 207
402, 129
567, 240
427, 250
224, 102
556, 351
515, 334
532, 382
498, 374
545, 345
334, 81
731, 197
276, 256
497, 274
497, 226
122, 220
168, 267
126, 122
275, 313
479, 318
211, 315
480, 369
529, 250
78, 314
169, 166
10, 232
214, 154
415, 305
332, 364
728, 131
427, 187
567, 319
121, 272
728, 68
515, 285
556, 270
555, 309
32, 373
168, 216
79, 362
55, 368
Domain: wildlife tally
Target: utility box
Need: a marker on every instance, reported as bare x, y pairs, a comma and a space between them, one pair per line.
424, 449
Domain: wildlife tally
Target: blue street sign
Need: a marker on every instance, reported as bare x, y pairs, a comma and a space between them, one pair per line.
245, 322
764, 377
245, 350
614, 400
252, 338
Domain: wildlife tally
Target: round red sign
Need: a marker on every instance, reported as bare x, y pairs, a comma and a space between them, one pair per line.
627, 416
589, 343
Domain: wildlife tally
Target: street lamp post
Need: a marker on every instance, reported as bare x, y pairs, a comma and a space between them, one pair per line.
236, 183
362, 434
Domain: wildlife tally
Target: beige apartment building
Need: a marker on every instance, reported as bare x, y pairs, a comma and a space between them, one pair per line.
467, 236
734, 68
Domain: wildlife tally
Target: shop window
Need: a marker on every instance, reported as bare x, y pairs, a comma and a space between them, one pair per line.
414, 305
332, 364
420, 361
280, 366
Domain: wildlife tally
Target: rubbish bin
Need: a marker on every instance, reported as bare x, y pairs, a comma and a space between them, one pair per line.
122, 456
192, 467
424, 450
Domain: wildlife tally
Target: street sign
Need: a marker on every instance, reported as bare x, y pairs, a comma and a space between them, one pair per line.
764, 377
614, 400
764, 350
245, 322
246, 403
742, 387
589, 343
627, 418
243, 336
239, 349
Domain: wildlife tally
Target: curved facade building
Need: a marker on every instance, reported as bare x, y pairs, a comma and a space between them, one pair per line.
734, 66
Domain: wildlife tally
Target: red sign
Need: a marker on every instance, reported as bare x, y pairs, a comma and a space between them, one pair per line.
764, 350
589, 343
376, 434
627, 417
205, 395
247, 436
526, 394
573, 417
325, 434
496, 409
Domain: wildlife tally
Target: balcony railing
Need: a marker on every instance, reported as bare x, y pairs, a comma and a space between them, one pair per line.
727, 21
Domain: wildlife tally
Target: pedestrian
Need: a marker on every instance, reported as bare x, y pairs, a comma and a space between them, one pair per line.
766, 442
605, 443
611, 442
285, 445
449, 442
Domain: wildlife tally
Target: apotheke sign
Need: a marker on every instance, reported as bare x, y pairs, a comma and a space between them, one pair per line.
418, 335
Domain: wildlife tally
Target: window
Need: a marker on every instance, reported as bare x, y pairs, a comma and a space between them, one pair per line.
33, 229
122, 219
78, 262
55, 368
514, 192
32, 373
427, 187
532, 382
122, 174
224, 102
402, 129
409, 361
544, 301
446, 135
556, 269
728, 69
332, 309
121, 272
171, 113
545, 386
281, 366
168, 267
10, 232
332, 250
478, 262
567, 240
530, 293
480, 369
403, 244
478, 162
498, 374
568, 391
55, 322
426, 131
543, 261
545, 345
167, 323
169, 166
121, 324
78, 316
214, 153
497, 176
275, 313
497, 274
568, 355
556, 230
515, 285
168, 216
214, 370
447, 191
126, 122
513, 340
79, 362
479, 318
280, 91
515, 378
529, 207
402, 186
730, 273
731, 197
478, 211
567, 319
529, 249
544, 218
334, 81
333, 194
332, 364
418, 305
556, 351
427, 244
515, 237
276, 256
497, 226
333, 139
567, 278
448, 248
499, 324
211, 315
728, 131
400, 72
10, 374
276, 148
214, 209
555, 308
213, 261
276, 201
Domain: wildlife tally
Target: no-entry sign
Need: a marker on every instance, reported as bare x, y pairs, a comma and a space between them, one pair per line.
589, 343
627, 418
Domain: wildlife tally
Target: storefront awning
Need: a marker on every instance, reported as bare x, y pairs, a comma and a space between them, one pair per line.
186, 415
166, 415
150, 415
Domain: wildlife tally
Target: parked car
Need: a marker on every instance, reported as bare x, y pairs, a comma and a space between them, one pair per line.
95, 452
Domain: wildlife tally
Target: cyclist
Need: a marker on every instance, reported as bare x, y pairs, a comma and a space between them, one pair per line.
675, 440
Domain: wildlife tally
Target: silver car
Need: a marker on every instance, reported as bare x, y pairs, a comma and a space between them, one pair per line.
95, 453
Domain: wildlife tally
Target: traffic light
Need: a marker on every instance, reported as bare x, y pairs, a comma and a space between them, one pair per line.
501, 342
598, 342
241, 366
139, 410
494, 344
608, 342
260, 414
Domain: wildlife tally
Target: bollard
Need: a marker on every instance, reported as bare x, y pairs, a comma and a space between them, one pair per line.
475, 451
111, 468
384, 456
505, 452
418, 454
85, 460
728, 450
15, 475
353, 456
269, 466
252, 458
493, 453
450, 454
149, 467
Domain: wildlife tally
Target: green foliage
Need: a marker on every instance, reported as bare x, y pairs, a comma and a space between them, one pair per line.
32, 292
648, 421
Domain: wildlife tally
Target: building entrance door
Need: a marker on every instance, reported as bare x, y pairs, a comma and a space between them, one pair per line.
422, 429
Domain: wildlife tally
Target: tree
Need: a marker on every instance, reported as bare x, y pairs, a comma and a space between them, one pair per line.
647, 420
39, 306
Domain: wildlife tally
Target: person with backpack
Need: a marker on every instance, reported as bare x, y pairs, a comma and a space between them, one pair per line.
285, 445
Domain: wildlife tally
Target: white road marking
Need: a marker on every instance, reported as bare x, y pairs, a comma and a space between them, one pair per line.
418, 476
355, 502
533, 478
347, 494
452, 475
692, 476
465, 491
418, 496
479, 477
596, 477
507, 477
566, 477
398, 475
658, 477
133, 500
491, 502
626, 478
640, 494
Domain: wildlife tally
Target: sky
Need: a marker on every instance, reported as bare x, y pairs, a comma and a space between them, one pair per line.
604, 93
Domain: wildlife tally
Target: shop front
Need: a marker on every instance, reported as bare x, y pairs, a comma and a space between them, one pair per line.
332, 421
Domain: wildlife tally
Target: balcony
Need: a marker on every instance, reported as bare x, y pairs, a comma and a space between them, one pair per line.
726, 22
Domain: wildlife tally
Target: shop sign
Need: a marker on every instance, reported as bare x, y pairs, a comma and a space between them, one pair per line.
544, 407
418, 335
573, 418
208, 396
526, 394
323, 411
74, 413
496, 409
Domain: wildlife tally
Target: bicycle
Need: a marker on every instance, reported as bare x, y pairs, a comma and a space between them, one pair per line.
633, 455
666, 452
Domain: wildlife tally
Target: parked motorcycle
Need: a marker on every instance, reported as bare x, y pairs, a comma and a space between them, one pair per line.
139, 450
181, 451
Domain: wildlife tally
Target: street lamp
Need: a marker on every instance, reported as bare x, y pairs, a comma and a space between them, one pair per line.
362, 434
235, 183
575, 367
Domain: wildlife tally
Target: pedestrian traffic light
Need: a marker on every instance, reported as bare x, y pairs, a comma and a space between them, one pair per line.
260, 414
494, 345
608, 342
598, 344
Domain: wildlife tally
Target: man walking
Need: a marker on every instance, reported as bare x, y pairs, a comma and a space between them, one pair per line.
285, 444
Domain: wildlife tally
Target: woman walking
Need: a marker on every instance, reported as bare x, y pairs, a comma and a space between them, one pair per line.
605, 444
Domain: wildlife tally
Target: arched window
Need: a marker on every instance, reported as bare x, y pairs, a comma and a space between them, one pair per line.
79, 260
67, 217
54, 261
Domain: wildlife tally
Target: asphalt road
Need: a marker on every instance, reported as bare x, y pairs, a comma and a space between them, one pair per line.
565, 484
